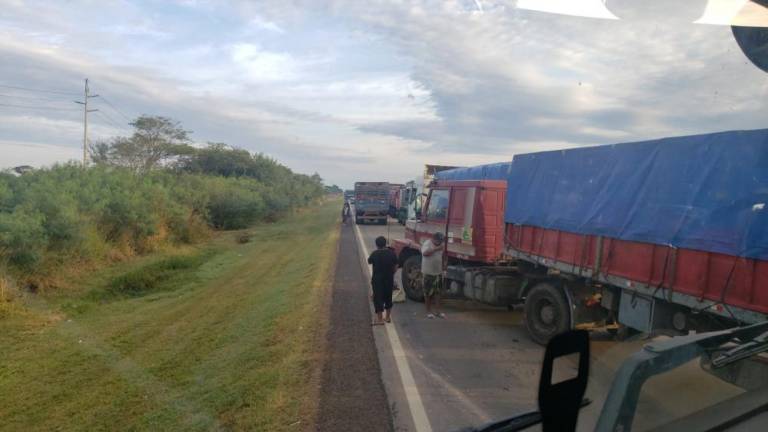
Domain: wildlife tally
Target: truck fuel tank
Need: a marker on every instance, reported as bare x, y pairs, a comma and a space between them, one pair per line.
495, 286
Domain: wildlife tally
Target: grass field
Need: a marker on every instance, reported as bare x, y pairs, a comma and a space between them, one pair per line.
221, 337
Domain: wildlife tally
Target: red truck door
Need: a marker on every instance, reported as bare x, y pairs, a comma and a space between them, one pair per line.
460, 221
435, 214
450, 211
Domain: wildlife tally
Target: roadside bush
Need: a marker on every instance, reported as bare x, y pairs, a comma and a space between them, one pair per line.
235, 203
22, 239
59, 215
52, 216
5, 193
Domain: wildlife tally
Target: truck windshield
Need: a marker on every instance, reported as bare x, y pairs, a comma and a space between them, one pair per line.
438, 204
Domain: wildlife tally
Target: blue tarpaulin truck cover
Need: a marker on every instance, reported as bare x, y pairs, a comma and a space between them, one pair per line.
705, 192
495, 171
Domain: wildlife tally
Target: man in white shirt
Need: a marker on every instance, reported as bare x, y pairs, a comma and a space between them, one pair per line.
432, 272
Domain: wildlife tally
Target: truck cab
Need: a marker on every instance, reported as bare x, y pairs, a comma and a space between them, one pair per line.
470, 214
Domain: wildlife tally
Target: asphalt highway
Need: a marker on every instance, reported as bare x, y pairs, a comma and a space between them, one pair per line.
478, 365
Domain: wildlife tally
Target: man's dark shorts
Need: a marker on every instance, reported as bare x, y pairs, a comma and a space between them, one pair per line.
432, 284
382, 295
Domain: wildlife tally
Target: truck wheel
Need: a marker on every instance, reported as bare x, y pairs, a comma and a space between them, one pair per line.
546, 312
411, 278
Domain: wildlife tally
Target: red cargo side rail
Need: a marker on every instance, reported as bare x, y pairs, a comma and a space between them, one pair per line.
734, 287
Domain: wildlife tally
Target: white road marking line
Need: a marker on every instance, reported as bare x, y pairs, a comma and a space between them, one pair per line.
480, 414
418, 413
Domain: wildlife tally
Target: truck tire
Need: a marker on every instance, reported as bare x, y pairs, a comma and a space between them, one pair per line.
546, 312
411, 278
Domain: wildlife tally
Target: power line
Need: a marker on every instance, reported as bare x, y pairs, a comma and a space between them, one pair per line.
108, 119
37, 107
111, 121
40, 90
115, 108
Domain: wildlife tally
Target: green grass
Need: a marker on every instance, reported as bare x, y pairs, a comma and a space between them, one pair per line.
219, 338
168, 273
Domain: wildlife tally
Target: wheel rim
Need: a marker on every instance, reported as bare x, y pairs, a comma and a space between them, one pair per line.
547, 315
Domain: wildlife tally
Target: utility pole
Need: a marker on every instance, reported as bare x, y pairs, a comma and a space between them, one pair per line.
84, 103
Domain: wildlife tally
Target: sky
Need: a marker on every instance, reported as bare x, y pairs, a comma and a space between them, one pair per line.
371, 91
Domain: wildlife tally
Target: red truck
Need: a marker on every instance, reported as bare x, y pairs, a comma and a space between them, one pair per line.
394, 198
668, 235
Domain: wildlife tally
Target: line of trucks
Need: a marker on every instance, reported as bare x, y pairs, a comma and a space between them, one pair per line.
661, 236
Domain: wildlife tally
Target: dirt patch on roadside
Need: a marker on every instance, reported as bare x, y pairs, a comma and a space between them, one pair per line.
352, 396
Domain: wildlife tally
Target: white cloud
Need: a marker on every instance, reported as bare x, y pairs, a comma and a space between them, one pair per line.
358, 89
493, 77
261, 65
580, 8
261, 23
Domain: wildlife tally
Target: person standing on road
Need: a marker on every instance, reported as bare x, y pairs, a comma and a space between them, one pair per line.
345, 211
384, 262
432, 272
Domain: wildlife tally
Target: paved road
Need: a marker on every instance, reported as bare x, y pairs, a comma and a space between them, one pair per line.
479, 365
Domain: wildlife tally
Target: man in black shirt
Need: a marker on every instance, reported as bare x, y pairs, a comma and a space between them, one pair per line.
384, 263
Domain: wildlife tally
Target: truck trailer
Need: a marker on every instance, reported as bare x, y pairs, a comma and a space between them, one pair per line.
371, 202
667, 235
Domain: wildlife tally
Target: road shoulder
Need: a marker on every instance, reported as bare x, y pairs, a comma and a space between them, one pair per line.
352, 394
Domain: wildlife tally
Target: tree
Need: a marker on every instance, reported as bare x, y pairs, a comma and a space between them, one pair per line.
156, 140
100, 151
220, 159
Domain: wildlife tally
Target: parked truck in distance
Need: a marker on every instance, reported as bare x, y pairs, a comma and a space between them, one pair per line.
395, 190
666, 236
349, 196
413, 192
408, 194
371, 202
